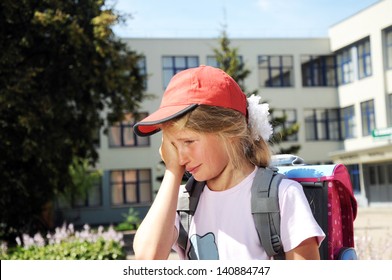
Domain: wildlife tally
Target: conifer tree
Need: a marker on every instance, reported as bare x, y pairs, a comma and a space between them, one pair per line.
229, 60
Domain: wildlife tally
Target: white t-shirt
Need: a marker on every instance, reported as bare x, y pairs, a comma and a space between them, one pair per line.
223, 227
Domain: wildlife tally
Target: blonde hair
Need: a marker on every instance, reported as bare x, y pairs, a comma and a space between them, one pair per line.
231, 126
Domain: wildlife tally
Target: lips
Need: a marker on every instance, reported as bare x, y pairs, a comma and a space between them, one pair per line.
192, 169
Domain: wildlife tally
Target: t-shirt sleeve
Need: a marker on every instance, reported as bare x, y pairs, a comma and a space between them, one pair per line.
297, 220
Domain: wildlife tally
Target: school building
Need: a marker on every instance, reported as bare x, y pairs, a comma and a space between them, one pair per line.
338, 89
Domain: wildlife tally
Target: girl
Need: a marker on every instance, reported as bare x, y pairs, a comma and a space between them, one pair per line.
211, 130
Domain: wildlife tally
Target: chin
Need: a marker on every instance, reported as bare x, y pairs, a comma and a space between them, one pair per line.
199, 178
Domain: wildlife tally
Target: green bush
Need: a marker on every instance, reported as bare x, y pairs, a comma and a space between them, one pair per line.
131, 221
77, 250
65, 244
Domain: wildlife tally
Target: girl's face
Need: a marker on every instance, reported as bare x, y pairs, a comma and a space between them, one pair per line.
202, 155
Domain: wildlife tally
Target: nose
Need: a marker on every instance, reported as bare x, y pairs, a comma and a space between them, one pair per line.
182, 157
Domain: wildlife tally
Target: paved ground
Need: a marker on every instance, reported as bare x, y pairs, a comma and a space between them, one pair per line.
372, 230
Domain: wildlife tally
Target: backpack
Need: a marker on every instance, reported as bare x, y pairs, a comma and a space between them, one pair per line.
327, 188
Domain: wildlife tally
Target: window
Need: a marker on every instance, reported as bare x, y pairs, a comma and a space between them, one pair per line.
318, 71
389, 173
364, 59
389, 110
379, 174
368, 117
388, 47
345, 67
372, 175
283, 120
121, 134
211, 61
174, 64
322, 124
353, 170
130, 186
348, 122
142, 65
276, 71
360, 52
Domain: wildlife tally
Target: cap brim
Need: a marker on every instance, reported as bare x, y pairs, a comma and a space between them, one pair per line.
149, 125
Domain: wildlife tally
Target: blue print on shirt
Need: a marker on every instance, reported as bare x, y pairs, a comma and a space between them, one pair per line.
203, 247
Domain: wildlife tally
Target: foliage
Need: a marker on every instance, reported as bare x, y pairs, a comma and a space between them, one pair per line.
61, 70
67, 244
228, 60
131, 222
83, 178
282, 133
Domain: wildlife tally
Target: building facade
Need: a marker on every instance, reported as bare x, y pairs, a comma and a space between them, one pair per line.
363, 46
338, 89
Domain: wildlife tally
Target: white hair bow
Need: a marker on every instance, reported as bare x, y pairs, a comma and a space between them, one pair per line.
258, 118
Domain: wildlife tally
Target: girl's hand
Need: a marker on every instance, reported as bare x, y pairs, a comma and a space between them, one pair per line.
169, 155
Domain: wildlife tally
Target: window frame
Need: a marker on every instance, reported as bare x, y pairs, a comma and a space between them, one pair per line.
285, 113
280, 80
388, 47
345, 66
142, 66
319, 123
125, 127
175, 66
211, 61
348, 122
368, 117
364, 57
389, 109
353, 170
124, 184
316, 71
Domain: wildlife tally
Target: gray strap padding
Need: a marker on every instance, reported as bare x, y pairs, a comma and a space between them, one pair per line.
186, 206
265, 210
264, 206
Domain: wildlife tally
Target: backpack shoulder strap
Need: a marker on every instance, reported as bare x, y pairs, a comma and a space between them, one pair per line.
265, 210
186, 206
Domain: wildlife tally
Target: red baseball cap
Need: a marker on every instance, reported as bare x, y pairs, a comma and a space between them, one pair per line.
203, 85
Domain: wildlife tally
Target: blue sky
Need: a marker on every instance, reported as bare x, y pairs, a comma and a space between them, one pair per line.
243, 18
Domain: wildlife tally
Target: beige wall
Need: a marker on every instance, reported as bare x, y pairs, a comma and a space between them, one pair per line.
250, 49
361, 24
367, 23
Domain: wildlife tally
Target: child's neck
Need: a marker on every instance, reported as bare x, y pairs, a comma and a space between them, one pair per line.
230, 177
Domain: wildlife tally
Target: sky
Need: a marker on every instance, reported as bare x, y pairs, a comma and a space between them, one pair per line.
242, 18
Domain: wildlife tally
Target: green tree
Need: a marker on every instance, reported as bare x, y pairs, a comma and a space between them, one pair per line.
83, 179
229, 60
61, 68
